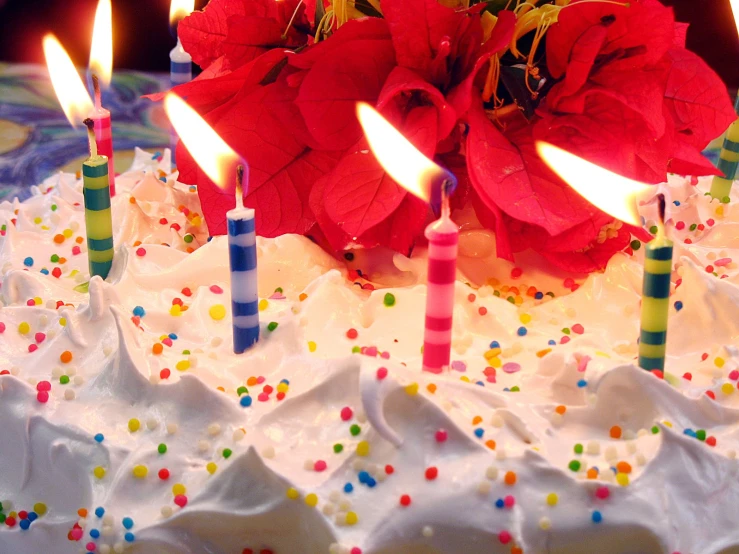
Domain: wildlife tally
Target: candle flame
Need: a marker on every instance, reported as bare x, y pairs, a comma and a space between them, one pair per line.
101, 51
735, 11
612, 193
179, 10
211, 153
403, 162
66, 81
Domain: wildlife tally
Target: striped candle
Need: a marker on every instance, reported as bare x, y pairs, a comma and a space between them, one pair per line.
655, 299
728, 160
242, 251
180, 71
103, 132
443, 237
98, 214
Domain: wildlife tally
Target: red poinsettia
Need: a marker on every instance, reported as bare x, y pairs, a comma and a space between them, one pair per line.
621, 91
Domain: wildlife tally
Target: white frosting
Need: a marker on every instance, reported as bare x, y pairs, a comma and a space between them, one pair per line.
681, 495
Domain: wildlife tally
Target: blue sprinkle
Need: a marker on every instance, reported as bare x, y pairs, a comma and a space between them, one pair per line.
522, 331
495, 344
479, 432
348, 488
24, 524
45, 271
285, 381
139, 311
32, 516
157, 155
245, 401
506, 389
539, 295
690, 433
28, 262
371, 483
172, 336
100, 511
676, 202
480, 383
127, 522
99, 437
597, 517
210, 239
363, 476
500, 503
163, 179
129, 537
552, 342
582, 383
678, 305
94, 533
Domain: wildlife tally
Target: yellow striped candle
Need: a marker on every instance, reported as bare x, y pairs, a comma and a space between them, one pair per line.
98, 214
655, 299
728, 161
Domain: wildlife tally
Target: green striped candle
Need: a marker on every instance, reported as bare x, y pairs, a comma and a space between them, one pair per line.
98, 214
655, 299
728, 160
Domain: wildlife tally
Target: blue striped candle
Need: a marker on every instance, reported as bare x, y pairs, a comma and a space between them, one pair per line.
242, 253
728, 161
180, 71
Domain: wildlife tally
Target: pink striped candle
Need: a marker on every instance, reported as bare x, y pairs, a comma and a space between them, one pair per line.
443, 237
103, 132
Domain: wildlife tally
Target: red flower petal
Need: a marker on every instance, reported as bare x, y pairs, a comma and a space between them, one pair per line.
594, 258
202, 33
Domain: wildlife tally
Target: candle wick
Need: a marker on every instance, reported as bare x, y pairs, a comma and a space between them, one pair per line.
446, 190
239, 186
661, 209
96, 91
90, 124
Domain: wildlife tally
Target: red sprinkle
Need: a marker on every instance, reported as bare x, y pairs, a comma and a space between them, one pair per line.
163, 221
680, 225
355, 550
180, 500
504, 537
709, 394
381, 373
577, 328
23, 514
186, 291
711, 441
405, 500
165, 373
516, 272
76, 251
471, 297
163, 474
704, 356
602, 493
710, 222
141, 251
389, 469
2, 327
509, 501
320, 465
215, 289
263, 397
42, 396
441, 435
688, 376
30, 302
43, 386
709, 269
56, 272
346, 413
352, 334
39, 337
564, 340
432, 473
10, 521
734, 375
482, 310
32, 347
177, 301
280, 396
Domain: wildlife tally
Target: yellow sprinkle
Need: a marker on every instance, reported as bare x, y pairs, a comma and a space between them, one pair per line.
140, 471
211, 467
311, 499
720, 210
552, 499
525, 318
351, 518
99, 472
282, 387
24, 328
667, 423
518, 300
602, 354
37, 220
73, 273
63, 321
496, 362
412, 389
183, 365
465, 379
263, 304
196, 221
292, 493
178, 488
217, 311
175, 310
39, 508
311, 346
727, 388
45, 227
622, 479
67, 233
542, 353
719, 362
492, 353
363, 448
134, 425
37, 300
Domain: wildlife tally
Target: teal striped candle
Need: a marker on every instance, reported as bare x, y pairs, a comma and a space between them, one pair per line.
655, 299
728, 161
98, 214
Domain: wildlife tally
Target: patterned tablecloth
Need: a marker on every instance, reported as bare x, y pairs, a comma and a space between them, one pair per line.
36, 140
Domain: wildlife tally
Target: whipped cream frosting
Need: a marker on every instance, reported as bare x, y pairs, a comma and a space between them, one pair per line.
127, 424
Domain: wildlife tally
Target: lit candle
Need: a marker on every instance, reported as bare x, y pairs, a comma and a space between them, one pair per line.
617, 196
96, 189
422, 177
101, 67
180, 62
222, 165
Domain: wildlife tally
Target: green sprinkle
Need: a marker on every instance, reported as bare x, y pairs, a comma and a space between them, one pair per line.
566, 330
700, 434
162, 448
54, 258
83, 288
655, 430
578, 448
693, 226
356, 349
54, 207
188, 238
575, 465
2, 518
511, 299
185, 352
389, 299
653, 229
635, 244
272, 326
64, 379
338, 448
279, 289
725, 200
515, 389
496, 293
227, 453
550, 293
355, 430
1, 506
242, 390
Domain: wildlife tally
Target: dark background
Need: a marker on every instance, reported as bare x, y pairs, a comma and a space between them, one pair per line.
142, 40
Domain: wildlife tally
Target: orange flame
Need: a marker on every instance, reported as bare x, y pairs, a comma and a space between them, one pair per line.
66, 81
179, 10
101, 51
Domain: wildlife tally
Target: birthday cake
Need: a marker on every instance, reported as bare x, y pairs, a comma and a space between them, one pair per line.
128, 424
